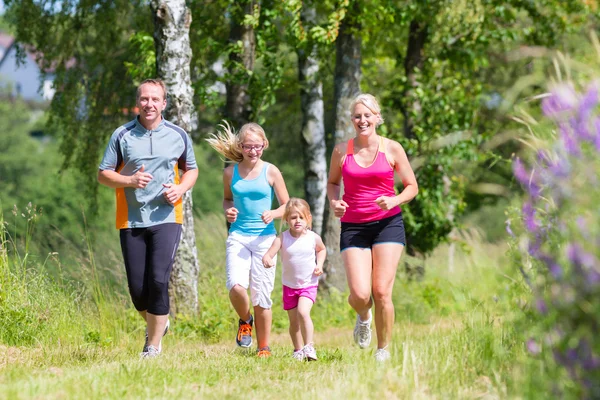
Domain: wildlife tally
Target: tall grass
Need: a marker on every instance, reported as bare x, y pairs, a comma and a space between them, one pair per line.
457, 335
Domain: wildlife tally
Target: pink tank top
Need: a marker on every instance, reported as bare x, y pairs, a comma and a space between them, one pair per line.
363, 185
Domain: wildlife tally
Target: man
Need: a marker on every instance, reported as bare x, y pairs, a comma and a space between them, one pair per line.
142, 162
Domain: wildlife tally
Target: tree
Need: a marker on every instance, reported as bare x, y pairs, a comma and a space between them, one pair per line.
313, 124
240, 65
87, 46
172, 21
347, 87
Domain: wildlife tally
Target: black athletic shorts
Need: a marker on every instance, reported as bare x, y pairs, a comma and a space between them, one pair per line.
365, 234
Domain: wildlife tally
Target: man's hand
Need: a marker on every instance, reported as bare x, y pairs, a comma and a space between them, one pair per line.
140, 179
173, 192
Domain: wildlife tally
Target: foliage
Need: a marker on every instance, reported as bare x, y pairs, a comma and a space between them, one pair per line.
560, 221
86, 46
466, 43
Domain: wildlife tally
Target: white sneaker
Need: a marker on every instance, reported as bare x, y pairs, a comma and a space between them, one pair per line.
298, 355
145, 349
151, 352
309, 352
382, 355
362, 332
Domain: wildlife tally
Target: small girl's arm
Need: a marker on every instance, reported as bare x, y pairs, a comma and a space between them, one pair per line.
321, 251
268, 257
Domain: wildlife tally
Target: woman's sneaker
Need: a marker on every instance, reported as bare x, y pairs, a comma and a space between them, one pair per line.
150, 352
244, 334
298, 355
382, 355
362, 332
310, 352
145, 349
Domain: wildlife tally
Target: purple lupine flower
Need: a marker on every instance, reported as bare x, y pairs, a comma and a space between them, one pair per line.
581, 129
591, 363
563, 98
572, 251
553, 267
541, 306
597, 133
534, 247
569, 141
588, 102
533, 347
543, 157
560, 168
520, 172
529, 217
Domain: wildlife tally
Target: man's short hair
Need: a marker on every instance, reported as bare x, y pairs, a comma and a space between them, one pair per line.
158, 82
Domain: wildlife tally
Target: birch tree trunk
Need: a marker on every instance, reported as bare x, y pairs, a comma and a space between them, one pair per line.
413, 62
313, 124
172, 21
347, 87
238, 106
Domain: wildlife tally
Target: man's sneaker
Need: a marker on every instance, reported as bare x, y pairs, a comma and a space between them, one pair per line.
151, 352
298, 355
159, 346
382, 355
310, 352
244, 334
362, 332
265, 352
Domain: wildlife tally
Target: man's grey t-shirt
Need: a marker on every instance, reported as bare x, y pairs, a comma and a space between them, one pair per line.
164, 152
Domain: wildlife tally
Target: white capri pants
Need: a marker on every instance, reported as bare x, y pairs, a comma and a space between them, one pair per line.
244, 266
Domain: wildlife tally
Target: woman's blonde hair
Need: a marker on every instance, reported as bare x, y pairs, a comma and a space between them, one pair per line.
228, 143
369, 101
302, 207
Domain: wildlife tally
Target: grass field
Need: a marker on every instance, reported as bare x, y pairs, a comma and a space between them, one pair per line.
459, 333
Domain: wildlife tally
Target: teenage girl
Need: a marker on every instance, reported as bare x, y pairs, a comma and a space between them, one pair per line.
248, 189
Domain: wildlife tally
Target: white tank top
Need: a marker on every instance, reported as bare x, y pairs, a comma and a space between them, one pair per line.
299, 260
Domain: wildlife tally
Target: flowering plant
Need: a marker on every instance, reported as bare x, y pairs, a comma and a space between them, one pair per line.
561, 220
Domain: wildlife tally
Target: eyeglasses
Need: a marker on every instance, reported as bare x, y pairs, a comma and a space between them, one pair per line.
250, 147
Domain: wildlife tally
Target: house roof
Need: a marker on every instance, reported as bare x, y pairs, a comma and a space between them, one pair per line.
6, 40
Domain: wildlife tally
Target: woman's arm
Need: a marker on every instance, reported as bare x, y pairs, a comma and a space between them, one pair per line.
405, 173
335, 178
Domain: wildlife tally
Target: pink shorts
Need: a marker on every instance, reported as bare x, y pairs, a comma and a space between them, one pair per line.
291, 296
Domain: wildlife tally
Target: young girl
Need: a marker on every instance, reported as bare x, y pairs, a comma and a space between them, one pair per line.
248, 188
302, 255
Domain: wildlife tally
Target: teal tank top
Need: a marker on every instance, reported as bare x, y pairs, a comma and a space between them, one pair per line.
252, 198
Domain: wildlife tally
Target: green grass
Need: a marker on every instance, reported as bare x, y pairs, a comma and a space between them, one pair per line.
458, 334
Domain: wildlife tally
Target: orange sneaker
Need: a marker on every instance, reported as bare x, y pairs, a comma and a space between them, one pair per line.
244, 334
265, 352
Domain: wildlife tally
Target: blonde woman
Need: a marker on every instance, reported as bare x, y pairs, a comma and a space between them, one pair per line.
372, 236
248, 189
